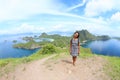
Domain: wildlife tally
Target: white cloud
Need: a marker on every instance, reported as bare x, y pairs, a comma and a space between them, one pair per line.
97, 7
68, 26
95, 28
76, 6
3, 32
99, 29
20, 9
23, 28
116, 17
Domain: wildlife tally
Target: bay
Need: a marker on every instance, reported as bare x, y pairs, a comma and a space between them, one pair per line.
109, 47
7, 50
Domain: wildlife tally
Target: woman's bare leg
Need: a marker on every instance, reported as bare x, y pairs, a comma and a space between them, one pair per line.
74, 60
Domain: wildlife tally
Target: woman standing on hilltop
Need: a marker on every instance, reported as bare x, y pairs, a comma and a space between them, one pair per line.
75, 46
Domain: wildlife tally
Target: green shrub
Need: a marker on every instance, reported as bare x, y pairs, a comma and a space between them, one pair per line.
48, 49
3, 63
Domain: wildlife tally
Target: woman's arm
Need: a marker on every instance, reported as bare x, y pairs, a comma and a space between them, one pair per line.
70, 46
78, 48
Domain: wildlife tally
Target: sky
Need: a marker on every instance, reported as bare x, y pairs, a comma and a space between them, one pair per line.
100, 17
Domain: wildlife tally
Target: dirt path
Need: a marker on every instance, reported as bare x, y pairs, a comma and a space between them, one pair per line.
60, 69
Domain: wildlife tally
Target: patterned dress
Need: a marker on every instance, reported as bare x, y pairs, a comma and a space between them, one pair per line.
74, 43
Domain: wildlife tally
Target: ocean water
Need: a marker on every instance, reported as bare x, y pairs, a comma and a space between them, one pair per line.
7, 50
109, 47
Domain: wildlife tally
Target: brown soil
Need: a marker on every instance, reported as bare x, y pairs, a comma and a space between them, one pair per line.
60, 69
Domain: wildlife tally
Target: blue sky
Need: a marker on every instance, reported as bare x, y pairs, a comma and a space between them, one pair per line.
98, 16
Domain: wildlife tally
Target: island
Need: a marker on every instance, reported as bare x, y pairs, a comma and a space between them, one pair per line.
57, 40
29, 45
118, 38
14, 41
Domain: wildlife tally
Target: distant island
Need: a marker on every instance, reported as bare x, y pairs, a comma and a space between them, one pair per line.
14, 41
29, 45
118, 38
40, 41
57, 40
85, 35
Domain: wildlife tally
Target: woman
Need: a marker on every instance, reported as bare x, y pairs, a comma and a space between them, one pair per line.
75, 46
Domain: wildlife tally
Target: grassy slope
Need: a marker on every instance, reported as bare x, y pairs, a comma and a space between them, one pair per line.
112, 68
10, 63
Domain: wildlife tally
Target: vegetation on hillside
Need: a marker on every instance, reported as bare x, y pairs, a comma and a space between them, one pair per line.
48, 49
29, 45
112, 68
59, 45
7, 65
85, 35
58, 40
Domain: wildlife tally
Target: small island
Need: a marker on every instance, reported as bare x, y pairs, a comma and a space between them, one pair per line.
29, 45
118, 38
14, 41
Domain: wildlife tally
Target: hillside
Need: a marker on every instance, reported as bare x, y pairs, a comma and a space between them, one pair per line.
86, 35
56, 64
58, 40
52, 68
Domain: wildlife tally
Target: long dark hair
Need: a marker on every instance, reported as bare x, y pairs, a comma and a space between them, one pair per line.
78, 34
77, 37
